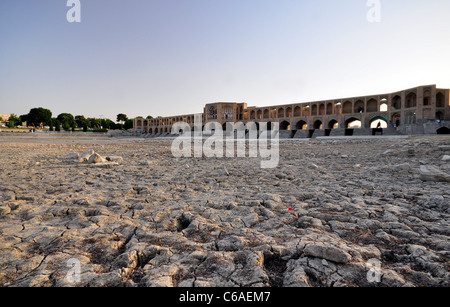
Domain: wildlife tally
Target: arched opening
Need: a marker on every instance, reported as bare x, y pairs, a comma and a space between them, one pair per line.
411, 100
439, 115
280, 113
378, 122
384, 105
397, 102
426, 98
266, 114
440, 100
321, 109
395, 119
289, 112
297, 112
252, 115
285, 125
329, 108
318, 125
259, 115
359, 106
443, 130
156, 130
150, 131
273, 113
269, 126
333, 124
347, 107
314, 110
353, 123
301, 125
139, 123
372, 105
306, 111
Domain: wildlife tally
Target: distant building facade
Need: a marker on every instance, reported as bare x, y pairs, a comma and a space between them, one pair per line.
4, 117
419, 110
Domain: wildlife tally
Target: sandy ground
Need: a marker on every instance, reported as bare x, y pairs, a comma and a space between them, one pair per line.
352, 212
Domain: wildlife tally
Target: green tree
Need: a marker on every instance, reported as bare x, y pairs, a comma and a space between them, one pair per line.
57, 125
80, 120
94, 123
121, 118
37, 116
128, 124
14, 120
66, 118
24, 118
66, 126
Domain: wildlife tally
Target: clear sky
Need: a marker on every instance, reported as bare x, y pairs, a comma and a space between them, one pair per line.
170, 57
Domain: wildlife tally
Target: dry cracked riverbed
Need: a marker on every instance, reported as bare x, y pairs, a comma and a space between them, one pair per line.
364, 213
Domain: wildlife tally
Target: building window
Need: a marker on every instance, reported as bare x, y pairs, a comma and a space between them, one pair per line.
212, 112
227, 112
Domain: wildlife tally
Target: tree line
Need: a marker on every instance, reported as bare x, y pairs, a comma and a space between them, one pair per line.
43, 117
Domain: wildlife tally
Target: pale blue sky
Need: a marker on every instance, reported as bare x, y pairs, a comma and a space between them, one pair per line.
169, 57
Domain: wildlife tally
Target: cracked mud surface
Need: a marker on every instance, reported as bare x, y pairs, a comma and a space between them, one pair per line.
156, 220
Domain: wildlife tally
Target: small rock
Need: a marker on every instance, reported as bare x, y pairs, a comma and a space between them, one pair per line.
402, 167
231, 243
446, 158
85, 156
328, 252
96, 158
432, 173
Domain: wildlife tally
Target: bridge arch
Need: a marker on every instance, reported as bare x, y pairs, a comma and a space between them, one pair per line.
443, 130
378, 122
318, 124
301, 125
352, 123
285, 125
333, 124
